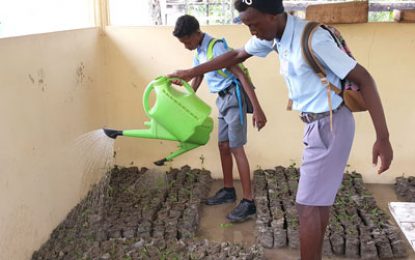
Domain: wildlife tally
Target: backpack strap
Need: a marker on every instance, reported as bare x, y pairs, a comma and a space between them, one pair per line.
225, 73
308, 52
209, 55
310, 56
197, 56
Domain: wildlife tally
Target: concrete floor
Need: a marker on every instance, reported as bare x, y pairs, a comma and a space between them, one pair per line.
214, 225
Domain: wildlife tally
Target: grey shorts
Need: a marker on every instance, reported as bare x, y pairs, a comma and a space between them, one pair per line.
325, 157
229, 126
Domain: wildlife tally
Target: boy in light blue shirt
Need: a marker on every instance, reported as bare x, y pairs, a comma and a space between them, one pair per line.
296, 70
326, 149
232, 106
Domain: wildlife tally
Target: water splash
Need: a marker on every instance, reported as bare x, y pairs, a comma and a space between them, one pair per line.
95, 150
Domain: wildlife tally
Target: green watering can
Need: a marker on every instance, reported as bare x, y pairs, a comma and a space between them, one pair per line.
176, 116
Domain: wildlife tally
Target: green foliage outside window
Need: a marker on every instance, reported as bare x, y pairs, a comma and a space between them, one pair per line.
380, 16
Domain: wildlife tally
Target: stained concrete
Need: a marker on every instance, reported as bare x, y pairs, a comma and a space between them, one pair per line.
214, 225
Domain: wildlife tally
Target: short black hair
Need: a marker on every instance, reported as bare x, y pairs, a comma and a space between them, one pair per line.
264, 6
186, 25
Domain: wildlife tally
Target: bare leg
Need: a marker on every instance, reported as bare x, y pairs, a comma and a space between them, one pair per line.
226, 160
324, 220
310, 232
244, 171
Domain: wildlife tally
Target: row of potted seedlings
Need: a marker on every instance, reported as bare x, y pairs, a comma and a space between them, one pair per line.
405, 188
136, 214
357, 228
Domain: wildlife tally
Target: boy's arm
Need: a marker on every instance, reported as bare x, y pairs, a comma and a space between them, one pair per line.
382, 147
259, 119
225, 60
196, 82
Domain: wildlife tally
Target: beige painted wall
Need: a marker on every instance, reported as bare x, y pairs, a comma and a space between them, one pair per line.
55, 87
51, 91
387, 50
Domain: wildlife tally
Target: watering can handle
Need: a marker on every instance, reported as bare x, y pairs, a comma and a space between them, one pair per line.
150, 87
185, 84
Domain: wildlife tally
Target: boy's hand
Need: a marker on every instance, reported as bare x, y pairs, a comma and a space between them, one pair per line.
382, 149
183, 74
177, 82
259, 120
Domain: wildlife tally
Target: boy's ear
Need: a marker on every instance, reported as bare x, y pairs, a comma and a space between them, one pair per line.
272, 17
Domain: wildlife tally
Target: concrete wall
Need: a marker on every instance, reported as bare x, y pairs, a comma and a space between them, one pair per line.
387, 50
51, 91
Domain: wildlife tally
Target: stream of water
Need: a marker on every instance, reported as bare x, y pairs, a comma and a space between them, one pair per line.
95, 152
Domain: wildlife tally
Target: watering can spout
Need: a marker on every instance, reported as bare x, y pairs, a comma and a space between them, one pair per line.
160, 162
183, 147
155, 131
112, 133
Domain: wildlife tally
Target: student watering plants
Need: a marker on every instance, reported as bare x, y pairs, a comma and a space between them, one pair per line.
329, 124
235, 97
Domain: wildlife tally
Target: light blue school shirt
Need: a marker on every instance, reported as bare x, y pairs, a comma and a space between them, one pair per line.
215, 81
304, 86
